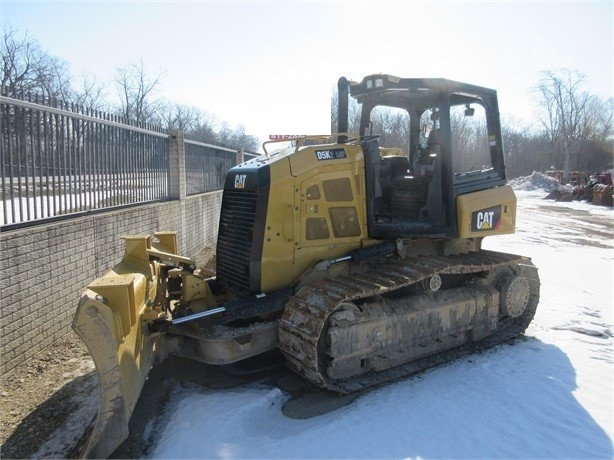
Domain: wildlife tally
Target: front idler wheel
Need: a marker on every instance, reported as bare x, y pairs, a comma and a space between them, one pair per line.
514, 295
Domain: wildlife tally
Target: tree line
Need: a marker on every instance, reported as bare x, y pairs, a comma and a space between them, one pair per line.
28, 68
573, 131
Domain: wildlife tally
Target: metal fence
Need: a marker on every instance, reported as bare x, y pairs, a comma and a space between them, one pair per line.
59, 160
206, 165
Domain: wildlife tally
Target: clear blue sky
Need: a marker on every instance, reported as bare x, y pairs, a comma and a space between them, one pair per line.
272, 66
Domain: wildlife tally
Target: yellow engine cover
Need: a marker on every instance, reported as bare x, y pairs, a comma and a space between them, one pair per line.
487, 212
322, 217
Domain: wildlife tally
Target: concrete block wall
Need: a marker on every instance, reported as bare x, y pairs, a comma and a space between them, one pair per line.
44, 269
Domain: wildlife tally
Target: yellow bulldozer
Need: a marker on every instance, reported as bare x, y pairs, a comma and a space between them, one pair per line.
361, 262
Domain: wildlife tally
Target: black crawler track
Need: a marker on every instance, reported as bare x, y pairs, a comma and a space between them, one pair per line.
302, 328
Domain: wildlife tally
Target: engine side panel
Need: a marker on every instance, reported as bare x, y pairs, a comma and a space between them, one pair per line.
330, 216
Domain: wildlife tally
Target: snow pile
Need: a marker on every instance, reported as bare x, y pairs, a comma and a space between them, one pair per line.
536, 181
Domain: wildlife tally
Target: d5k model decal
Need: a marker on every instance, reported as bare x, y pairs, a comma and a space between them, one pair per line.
486, 219
331, 154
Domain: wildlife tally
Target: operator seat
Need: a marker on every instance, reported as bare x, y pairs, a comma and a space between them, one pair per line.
430, 171
432, 145
433, 139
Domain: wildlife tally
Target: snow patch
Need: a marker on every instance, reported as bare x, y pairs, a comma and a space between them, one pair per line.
548, 396
536, 181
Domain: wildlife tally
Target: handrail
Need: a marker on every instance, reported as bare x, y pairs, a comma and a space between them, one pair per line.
300, 140
211, 146
68, 113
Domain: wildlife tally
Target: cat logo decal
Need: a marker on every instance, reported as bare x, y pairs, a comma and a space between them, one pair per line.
486, 219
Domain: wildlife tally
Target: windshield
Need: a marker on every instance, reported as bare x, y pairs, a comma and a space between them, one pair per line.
392, 125
469, 138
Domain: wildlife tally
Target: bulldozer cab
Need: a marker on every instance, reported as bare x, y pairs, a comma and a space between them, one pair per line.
451, 143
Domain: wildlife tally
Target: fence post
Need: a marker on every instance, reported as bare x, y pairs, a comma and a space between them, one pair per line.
240, 156
176, 159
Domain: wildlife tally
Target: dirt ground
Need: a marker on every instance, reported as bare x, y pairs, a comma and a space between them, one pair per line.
48, 402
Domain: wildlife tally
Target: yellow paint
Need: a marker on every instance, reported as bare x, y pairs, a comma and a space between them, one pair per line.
286, 252
469, 203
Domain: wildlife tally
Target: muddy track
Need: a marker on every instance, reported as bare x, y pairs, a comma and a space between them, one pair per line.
303, 325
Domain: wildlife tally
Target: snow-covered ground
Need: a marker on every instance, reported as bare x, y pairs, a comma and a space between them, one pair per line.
550, 396
33, 198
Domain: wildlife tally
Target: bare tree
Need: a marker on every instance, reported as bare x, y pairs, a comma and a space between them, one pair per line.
206, 131
392, 125
136, 90
182, 117
600, 118
237, 138
566, 119
20, 57
27, 67
520, 156
528, 150
90, 94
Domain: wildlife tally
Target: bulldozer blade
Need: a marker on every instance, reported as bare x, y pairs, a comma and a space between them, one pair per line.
112, 320
122, 367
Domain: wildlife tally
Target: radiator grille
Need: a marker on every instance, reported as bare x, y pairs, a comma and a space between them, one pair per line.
235, 239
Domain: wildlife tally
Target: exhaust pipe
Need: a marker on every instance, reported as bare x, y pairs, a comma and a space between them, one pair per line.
343, 89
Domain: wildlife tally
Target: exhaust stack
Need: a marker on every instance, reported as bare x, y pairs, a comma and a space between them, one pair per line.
342, 109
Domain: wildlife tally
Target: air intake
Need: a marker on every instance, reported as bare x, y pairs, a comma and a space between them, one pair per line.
235, 239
